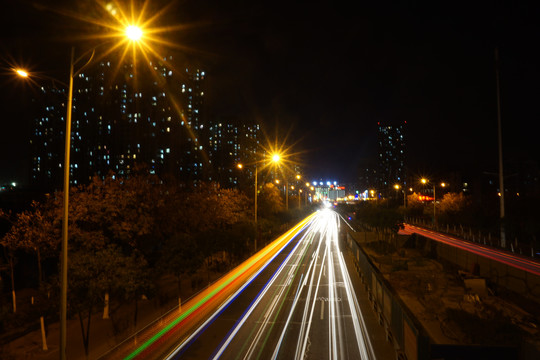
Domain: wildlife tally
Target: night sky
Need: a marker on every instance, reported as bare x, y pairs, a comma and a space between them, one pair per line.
326, 73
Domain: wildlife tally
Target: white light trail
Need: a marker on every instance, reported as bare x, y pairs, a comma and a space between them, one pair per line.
324, 280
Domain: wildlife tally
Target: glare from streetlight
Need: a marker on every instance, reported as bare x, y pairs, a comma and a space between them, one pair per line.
21, 72
276, 158
423, 181
240, 166
134, 33
396, 186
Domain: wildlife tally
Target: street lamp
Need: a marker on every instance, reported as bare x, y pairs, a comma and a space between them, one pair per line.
426, 181
21, 73
133, 33
240, 166
397, 187
276, 159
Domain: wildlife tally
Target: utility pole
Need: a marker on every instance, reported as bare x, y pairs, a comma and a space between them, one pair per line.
501, 173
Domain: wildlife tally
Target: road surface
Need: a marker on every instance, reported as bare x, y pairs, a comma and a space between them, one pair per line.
292, 300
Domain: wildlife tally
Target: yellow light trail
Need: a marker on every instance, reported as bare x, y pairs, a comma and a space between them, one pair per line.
184, 325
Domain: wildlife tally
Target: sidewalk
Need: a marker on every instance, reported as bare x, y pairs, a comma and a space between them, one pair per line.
102, 334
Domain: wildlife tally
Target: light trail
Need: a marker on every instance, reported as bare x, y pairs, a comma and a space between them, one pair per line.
281, 322
278, 320
504, 257
219, 295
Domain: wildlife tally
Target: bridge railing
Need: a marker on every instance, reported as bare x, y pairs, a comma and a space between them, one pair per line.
482, 236
405, 332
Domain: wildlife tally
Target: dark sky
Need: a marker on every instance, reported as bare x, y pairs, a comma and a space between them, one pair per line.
326, 72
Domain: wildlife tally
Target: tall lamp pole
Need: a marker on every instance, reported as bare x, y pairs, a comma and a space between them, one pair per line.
255, 202
134, 33
64, 259
499, 131
65, 206
286, 193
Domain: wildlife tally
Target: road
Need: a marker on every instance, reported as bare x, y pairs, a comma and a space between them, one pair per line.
292, 300
505, 257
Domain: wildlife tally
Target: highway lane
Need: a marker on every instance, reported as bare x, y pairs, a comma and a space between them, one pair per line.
504, 257
293, 299
180, 327
305, 309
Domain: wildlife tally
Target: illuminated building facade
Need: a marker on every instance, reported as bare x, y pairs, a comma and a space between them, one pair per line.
124, 116
391, 156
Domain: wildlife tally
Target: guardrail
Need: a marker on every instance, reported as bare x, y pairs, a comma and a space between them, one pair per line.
410, 339
402, 329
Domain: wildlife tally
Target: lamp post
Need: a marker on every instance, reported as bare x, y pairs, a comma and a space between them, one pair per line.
65, 203
397, 187
64, 260
133, 33
286, 193
240, 166
425, 181
499, 140
276, 159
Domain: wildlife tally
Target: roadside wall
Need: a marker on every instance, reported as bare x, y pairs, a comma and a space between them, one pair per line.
403, 330
502, 275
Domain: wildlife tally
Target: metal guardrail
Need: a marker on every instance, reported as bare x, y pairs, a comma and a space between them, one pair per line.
402, 329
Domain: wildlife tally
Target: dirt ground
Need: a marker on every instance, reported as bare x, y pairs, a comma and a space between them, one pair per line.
451, 312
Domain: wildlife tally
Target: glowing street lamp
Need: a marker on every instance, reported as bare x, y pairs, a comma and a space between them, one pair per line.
241, 166
133, 33
443, 184
21, 73
397, 187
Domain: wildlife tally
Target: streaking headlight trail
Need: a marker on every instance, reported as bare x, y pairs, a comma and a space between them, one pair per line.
294, 299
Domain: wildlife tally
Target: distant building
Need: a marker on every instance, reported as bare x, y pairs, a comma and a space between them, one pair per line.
233, 142
391, 157
367, 176
122, 116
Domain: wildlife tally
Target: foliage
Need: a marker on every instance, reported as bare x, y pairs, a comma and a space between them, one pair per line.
415, 207
270, 201
180, 256
377, 216
119, 228
92, 274
105, 270
454, 208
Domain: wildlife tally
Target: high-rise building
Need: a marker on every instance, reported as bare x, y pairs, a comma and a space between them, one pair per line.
123, 116
391, 156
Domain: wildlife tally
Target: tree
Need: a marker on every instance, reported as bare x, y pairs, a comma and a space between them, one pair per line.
181, 256
31, 231
270, 200
116, 209
34, 231
453, 207
415, 207
106, 270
